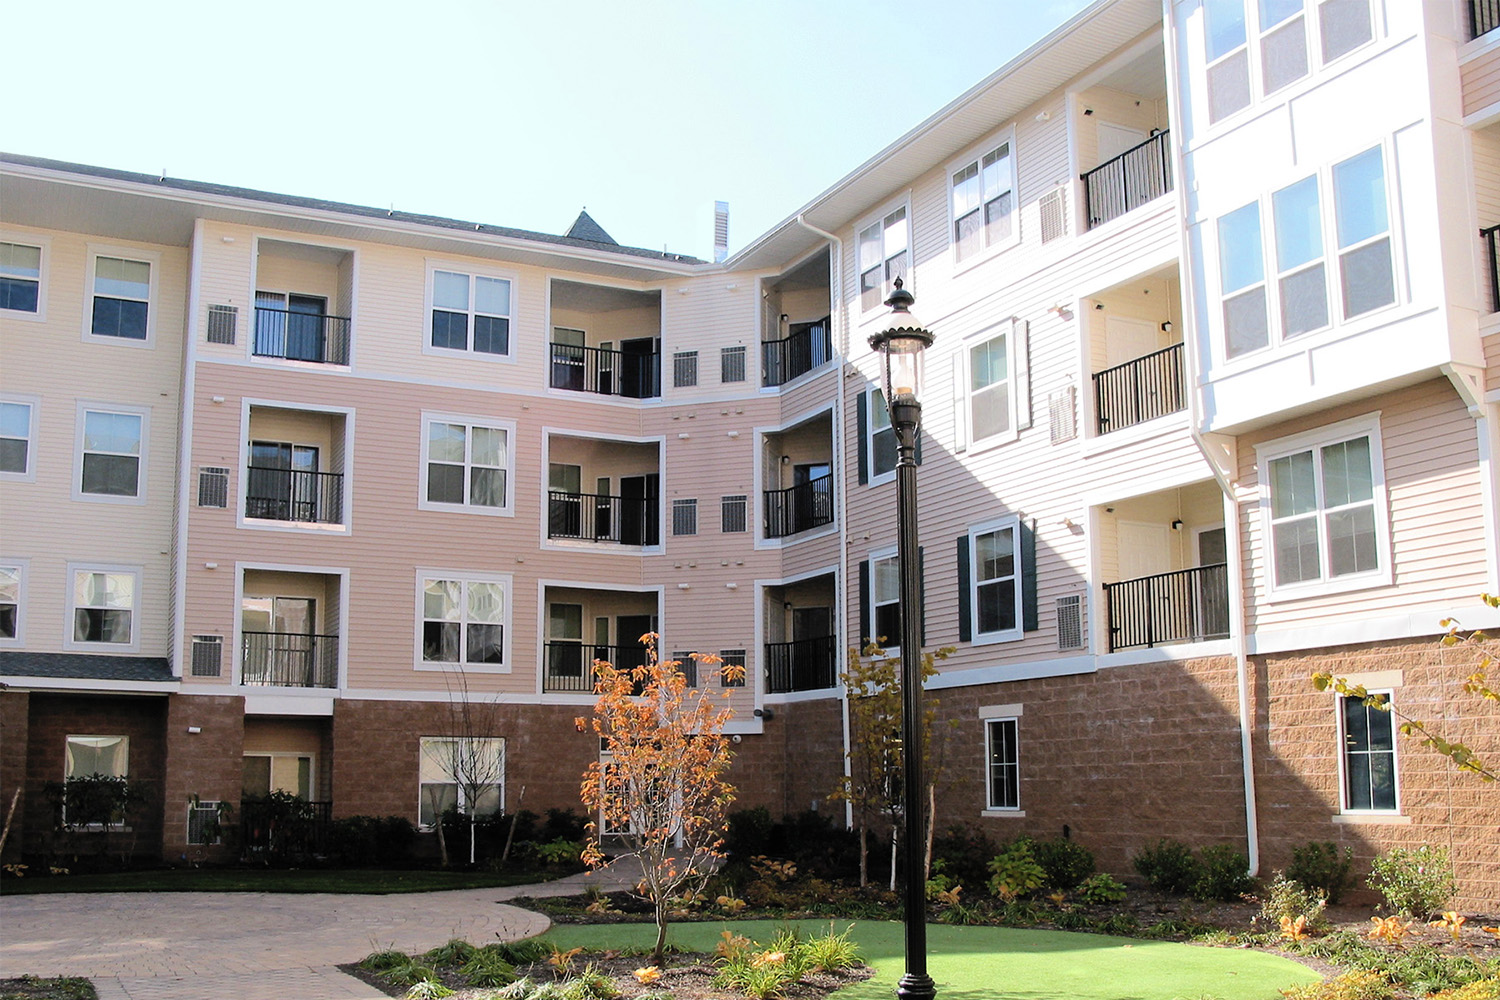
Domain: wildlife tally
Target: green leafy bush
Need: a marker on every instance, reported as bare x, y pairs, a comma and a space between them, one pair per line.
1169, 866
561, 852
408, 974
1288, 898
1065, 862
1225, 874
831, 951
371, 841
1357, 984
1101, 887
1319, 867
1015, 872
1416, 882
381, 960
456, 952
486, 968
965, 855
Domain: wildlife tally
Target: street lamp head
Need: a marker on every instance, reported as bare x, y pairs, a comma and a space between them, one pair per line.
900, 343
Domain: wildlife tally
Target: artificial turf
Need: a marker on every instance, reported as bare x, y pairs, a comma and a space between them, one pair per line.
982, 963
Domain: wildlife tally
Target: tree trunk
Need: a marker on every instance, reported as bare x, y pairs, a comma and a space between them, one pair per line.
659, 953
931, 823
511, 836
442, 839
864, 855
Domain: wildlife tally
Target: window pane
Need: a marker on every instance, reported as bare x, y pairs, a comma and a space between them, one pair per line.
445, 442
256, 777
1229, 86
437, 800
1273, 12
1345, 26
887, 581
1304, 301
1240, 259
1296, 544
1382, 781
884, 445
124, 318
1293, 490
486, 603
445, 483
487, 487
488, 446
440, 642
988, 363
492, 296
869, 248
895, 233
1359, 197
486, 644
450, 330
1356, 725
966, 231
1346, 473
110, 475
1225, 24
114, 432
15, 419
1245, 324
997, 219
1351, 541
997, 606
995, 554
996, 172
1380, 723
450, 291
1366, 278
1357, 769
991, 411
1284, 56
440, 600
491, 335
567, 621
888, 624
19, 294
1299, 224
126, 279
10, 584
966, 190
21, 261
106, 755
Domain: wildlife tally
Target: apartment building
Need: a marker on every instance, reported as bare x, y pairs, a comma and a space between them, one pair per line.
1210, 407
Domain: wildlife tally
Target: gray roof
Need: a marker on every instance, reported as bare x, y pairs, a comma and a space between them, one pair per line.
592, 238
85, 666
585, 228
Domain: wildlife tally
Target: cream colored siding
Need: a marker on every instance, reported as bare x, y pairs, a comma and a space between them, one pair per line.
1112, 107
706, 316
1433, 488
1481, 81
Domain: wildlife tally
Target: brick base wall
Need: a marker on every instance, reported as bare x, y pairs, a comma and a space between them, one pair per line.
795, 763
208, 764
15, 707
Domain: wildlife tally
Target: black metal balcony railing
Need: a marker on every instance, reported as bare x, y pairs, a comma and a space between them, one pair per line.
1484, 17
289, 659
1139, 390
799, 508
282, 830
1491, 237
1189, 605
300, 336
1140, 174
599, 517
805, 665
805, 348
608, 372
294, 495
570, 665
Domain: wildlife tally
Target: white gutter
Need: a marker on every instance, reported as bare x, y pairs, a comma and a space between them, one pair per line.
840, 310
1224, 477
188, 388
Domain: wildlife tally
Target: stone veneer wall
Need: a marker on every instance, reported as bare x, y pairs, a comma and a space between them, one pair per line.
208, 764
14, 723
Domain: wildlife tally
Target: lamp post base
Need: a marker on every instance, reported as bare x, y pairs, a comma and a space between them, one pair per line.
916, 987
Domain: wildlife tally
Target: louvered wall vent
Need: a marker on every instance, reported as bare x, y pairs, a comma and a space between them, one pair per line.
222, 321
1062, 414
1070, 622
213, 486
208, 655
1054, 215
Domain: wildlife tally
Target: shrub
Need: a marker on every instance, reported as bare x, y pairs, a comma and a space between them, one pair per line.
381, 960
428, 989
408, 974
1065, 862
1225, 874
747, 832
1015, 871
371, 841
1169, 866
1286, 898
1479, 989
1101, 887
456, 952
1357, 984
965, 855
831, 951
563, 824
1414, 882
1317, 866
561, 852
486, 968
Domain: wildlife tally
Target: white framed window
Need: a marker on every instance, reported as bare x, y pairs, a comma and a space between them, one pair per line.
103, 608
981, 200
995, 586
990, 411
1301, 274
1283, 43
121, 284
884, 255
1367, 759
463, 773
108, 756
1227, 56
1323, 510
23, 277
463, 621
13, 602
467, 464
1242, 282
1363, 231
111, 448
880, 438
468, 312
18, 431
885, 600
1002, 764
1343, 26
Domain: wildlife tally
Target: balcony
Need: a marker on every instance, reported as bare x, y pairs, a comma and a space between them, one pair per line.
799, 508
1484, 17
807, 347
633, 375
808, 665
1189, 605
275, 494
1491, 238
1136, 391
570, 665
1140, 174
599, 517
300, 335
289, 659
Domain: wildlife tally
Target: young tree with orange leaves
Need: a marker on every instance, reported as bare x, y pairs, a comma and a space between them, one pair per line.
662, 791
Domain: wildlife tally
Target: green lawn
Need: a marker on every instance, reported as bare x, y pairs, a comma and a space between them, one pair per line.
980, 963
371, 881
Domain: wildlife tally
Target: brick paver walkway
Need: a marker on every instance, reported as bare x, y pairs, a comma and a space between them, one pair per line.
251, 945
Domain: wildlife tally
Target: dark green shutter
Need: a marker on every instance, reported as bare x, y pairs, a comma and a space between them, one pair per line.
1028, 577
862, 408
965, 612
864, 604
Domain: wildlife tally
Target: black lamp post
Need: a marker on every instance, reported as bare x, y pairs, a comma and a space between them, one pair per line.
900, 345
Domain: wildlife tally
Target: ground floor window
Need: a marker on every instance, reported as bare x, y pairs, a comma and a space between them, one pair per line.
466, 774
1003, 764
278, 772
1369, 755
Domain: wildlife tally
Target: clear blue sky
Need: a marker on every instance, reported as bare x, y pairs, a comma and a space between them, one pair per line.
511, 113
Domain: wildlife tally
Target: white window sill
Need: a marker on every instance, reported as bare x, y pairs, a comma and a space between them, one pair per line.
1372, 819
1003, 813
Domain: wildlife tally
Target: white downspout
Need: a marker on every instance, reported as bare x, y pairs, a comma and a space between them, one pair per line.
840, 319
1224, 477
